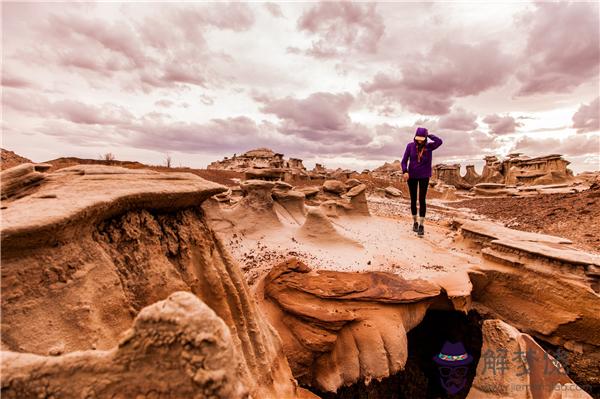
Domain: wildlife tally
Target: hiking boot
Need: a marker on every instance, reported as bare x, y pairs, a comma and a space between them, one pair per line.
415, 227
421, 230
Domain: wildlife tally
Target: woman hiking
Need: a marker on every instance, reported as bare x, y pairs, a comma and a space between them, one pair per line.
416, 171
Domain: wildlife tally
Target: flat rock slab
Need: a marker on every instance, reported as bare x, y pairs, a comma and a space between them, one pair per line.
497, 232
95, 192
368, 286
559, 253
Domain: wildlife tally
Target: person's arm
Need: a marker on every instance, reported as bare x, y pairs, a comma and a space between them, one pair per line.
436, 142
405, 159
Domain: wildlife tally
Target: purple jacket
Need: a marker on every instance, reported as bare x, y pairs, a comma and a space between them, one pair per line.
419, 170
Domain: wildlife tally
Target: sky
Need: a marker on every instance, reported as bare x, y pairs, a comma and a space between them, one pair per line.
339, 83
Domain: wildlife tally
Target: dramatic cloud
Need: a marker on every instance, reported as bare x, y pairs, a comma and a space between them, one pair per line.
587, 118
582, 145
502, 124
319, 111
340, 27
459, 119
208, 79
428, 85
155, 52
563, 48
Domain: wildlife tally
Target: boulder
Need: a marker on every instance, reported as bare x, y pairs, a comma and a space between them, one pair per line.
513, 365
358, 200
309, 192
22, 179
334, 186
352, 183
393, 192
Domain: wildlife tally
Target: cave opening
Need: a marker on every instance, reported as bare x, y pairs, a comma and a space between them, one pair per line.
422, 377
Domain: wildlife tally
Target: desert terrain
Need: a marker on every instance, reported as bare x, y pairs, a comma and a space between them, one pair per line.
259, 278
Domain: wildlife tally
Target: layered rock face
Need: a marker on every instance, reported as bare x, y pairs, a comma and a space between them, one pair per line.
340, 328
514, 365
450, 174
542, 286
92, 247
514, 170
176, 348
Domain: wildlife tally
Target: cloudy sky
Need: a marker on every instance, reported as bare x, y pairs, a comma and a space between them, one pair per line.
345, 84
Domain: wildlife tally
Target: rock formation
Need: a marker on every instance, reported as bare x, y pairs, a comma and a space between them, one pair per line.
471, 176
543, 287
93, 247
450, 174
339, 328
318, 228
515, 170
514, 365
177, 347
387, 169
492, 170
10, 159
393, 192
292, 201
263, 163
334, 186
22, 180
549, 169
358, 200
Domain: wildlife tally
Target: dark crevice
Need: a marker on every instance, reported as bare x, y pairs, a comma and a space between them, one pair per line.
420, 378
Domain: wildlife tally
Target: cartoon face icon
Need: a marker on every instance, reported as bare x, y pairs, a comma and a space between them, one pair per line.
453, 365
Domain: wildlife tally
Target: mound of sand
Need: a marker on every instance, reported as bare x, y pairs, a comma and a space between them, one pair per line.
318, 228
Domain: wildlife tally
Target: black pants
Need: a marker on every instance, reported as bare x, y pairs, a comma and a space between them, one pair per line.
422, 184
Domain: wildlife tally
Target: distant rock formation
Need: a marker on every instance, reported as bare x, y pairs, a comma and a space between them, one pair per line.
264, 164
515, 170
450, 174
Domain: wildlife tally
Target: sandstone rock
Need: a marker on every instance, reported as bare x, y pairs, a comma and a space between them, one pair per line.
309, 192
264, 174
450, 174
282, 186
177, 347
339, 328
547, 291
110, 243
10, 159
330, 208
318, 228
471, 176
393, 192
350, 183
334, 186
527, 370
358, 200
356, 190
21, 180
292, 201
